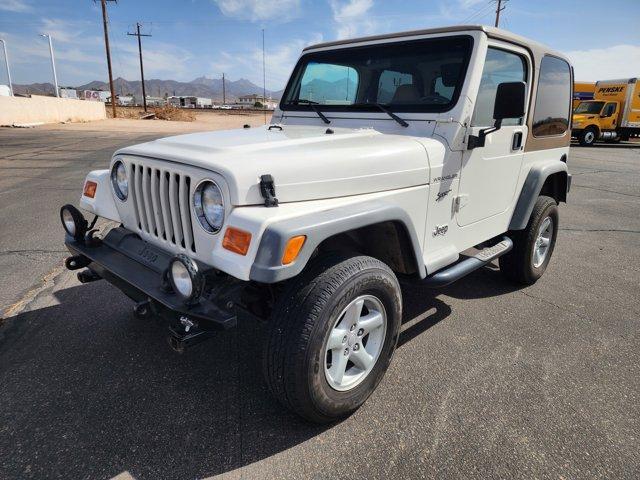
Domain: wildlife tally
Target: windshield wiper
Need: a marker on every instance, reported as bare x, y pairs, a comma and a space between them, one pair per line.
384, 109
314, 107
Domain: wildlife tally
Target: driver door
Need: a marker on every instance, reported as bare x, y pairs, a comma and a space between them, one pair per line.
609, 116
490, 174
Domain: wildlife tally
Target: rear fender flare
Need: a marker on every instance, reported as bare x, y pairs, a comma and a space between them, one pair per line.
531, 188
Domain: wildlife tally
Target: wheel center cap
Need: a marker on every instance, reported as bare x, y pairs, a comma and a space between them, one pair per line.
351, 341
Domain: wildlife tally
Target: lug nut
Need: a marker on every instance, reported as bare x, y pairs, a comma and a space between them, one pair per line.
360, 332
356, 347
353, 327
346, 351
344, 339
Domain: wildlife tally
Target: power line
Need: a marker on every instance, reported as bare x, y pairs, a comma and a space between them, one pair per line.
140, 35
481, 12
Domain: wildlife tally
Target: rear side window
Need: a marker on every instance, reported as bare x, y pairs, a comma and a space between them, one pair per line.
551, 114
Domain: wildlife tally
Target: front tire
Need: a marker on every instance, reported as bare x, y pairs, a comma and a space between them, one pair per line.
332, 336
588, 137
533, 246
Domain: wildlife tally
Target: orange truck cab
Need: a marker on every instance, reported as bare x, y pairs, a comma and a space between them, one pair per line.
612, 115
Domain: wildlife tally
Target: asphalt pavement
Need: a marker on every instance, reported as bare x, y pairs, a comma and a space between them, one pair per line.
489, 380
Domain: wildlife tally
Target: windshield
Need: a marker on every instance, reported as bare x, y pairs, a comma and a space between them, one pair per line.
589, 107
415, 76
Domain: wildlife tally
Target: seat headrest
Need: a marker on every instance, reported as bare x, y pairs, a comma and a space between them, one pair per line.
407, 93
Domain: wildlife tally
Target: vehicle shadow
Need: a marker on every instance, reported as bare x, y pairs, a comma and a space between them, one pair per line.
424, 308
621, 145
89, 391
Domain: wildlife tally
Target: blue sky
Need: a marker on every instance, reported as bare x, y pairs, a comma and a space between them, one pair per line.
207, 37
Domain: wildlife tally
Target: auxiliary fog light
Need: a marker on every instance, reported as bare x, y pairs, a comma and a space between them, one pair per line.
185, 278
73, 222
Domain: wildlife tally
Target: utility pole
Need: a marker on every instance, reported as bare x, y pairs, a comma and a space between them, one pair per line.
106, 46
499, 8
224, 92
264, 82
6, 62
53, 64
139, 35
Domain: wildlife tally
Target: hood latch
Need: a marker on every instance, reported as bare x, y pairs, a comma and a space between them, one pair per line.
268, 191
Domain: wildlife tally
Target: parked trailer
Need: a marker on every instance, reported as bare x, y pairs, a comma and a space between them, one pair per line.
613, 114
583, 91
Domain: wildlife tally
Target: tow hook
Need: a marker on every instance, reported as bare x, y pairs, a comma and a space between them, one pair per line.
186, 333
87, 276
76, 262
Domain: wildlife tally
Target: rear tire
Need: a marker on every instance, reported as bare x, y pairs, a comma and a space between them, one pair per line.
529, 258
588, 137
298, 357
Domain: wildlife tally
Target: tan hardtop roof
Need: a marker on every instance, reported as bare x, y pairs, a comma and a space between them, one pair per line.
537, 48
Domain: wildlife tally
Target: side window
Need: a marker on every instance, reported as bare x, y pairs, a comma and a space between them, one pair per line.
609, 109
500, 66
329, 84
389, 83
551, 114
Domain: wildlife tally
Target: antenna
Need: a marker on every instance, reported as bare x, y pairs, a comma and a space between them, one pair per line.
264, 82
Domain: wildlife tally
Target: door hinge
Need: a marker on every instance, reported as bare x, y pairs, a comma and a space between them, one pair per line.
459, 202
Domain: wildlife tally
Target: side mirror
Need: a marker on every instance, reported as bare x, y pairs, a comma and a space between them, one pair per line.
510, 100
510, 103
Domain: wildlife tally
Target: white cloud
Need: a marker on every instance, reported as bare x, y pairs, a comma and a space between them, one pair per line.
351, 18
467, 4
161, 60
279, 60
63, 30
260, 10
15, 6
618, 61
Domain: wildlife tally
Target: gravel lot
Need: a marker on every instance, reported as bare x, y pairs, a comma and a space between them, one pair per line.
489, 381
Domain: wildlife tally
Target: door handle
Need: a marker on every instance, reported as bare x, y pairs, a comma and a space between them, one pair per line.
516, 143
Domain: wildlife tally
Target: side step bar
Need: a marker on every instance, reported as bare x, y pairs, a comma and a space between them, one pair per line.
458, 270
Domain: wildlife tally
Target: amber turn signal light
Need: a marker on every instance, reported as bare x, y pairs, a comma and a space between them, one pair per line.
90, 189
236, 240
292, 250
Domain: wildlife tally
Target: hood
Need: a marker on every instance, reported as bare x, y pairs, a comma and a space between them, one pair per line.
581, 117
306, 162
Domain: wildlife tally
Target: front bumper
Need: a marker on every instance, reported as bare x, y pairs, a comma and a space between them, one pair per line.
138, 269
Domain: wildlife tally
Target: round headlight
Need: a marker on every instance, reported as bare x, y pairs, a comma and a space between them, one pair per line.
181, 279
185, 279
73, 222
120, 181
209, 206
68, 222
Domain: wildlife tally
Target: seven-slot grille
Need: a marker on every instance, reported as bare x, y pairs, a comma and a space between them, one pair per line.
161, 204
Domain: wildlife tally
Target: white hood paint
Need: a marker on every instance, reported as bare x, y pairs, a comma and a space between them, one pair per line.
305, 162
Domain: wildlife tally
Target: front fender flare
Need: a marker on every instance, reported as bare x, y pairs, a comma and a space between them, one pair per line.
318, 226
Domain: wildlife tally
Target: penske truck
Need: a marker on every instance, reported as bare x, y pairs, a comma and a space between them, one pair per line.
583, 91
612, 115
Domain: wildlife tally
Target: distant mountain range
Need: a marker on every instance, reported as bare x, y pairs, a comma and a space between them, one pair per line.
200, 87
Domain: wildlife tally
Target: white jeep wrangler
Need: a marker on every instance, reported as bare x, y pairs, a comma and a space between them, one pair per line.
388, 155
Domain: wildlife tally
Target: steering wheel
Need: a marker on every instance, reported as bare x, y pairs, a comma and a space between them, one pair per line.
435, 98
